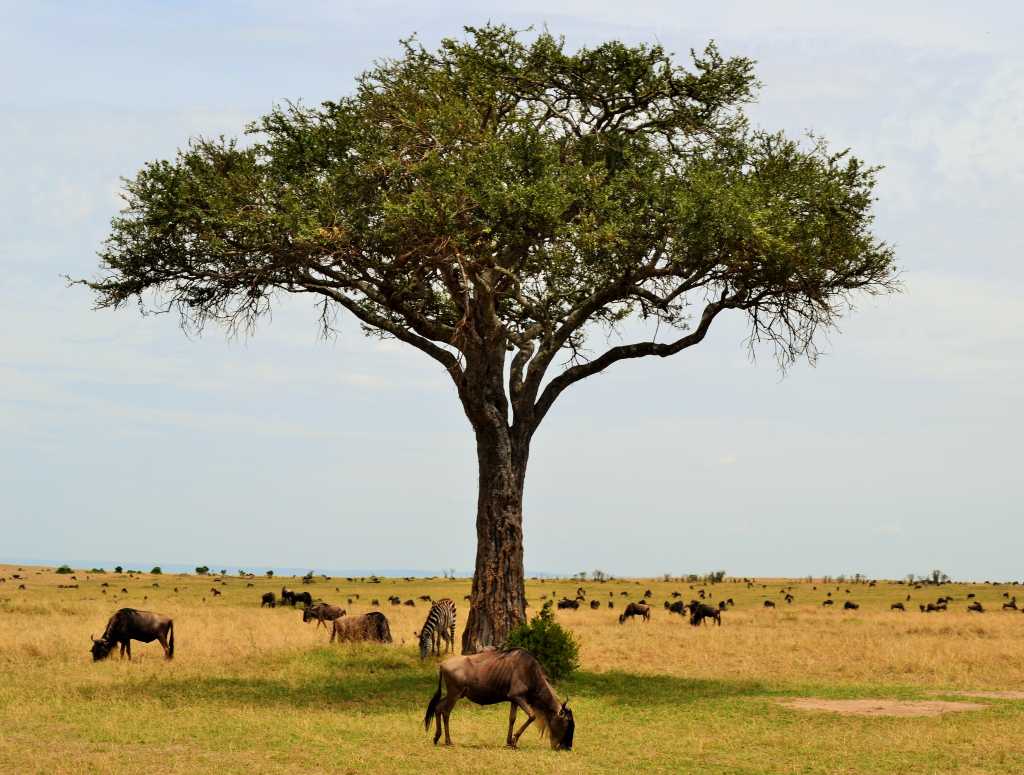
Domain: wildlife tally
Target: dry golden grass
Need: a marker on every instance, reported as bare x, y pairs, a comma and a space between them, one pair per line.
256, 690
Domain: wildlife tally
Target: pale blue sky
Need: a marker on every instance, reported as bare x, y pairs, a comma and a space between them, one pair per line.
122, 440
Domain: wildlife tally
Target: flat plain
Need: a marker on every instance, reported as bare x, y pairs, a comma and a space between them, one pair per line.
254, 690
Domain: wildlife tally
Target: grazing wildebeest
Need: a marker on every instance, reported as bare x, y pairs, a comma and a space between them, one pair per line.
410, 603
1012, 605
932, 607
699, 612
493, 676
287, 596
322, 613
567, 603
268, 600
375, 602
828, 602
789, 598
370, 626
595, 604
127, 625
426, 598
970, 595
678, 607
976, 606
611, 604
636, 609
769, 604
215, 591
849, 605
897, 607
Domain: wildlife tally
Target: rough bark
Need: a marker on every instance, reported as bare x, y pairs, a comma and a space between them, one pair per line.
498, 598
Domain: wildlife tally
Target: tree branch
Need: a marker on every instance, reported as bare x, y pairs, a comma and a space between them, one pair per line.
637, 350
439, 354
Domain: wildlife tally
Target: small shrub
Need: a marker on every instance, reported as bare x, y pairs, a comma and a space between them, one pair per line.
64, 569
157, 571
270, 574
118, 569
202, 570
97, 570
554, 646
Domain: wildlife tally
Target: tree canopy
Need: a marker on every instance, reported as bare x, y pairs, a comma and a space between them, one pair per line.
538, 189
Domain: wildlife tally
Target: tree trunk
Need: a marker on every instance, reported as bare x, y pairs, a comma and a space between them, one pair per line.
498, 599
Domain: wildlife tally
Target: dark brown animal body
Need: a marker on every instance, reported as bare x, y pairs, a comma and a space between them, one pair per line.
322, 613
678, 607
372, 626
267, 600
567, 603
127, 625
850, 606
699, 612
291, 597
491, 677
635, 609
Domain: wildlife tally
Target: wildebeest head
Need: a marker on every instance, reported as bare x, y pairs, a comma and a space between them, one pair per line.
563, 727
101, 648
308, 614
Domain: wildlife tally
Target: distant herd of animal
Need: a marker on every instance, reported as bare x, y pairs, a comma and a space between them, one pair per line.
488, 677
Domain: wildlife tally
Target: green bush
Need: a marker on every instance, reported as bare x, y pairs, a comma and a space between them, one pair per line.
64, 569
118, 569
202, 570
554, 646
157, 570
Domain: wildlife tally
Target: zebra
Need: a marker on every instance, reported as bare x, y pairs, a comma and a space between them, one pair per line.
440, 624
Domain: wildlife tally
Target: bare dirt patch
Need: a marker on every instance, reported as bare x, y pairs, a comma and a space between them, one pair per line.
903, 708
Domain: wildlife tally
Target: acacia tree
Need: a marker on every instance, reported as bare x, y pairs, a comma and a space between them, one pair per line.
492, 203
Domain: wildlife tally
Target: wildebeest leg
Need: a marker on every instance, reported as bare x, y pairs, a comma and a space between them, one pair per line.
529, 718
162, 639
445, 712
511, 722
127, 647
437, 721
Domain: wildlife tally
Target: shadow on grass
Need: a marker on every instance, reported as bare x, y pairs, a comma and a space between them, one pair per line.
621, 688
386, 682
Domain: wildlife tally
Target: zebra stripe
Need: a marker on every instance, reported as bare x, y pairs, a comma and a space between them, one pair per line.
440, 625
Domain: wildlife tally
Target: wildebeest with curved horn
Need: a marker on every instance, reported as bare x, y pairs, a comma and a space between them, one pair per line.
699, 612
127, 625
636, 609
372, 626
322, 613
491, 676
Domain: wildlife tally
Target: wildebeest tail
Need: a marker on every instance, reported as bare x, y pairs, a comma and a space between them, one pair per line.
432, 705
170, 641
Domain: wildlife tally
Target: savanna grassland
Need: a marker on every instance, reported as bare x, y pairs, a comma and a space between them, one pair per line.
254, 690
